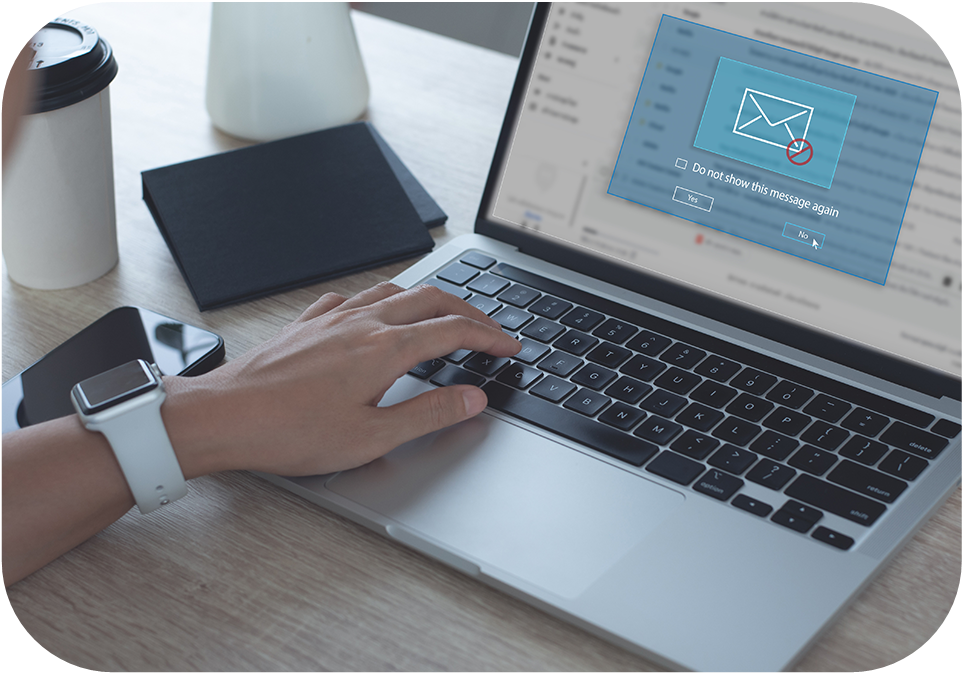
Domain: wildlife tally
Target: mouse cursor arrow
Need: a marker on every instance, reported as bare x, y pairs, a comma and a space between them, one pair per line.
815, 244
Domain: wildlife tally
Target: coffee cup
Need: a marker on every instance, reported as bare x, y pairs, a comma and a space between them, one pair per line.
59, 222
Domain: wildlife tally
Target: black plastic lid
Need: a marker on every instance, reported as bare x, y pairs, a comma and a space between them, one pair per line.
71, 62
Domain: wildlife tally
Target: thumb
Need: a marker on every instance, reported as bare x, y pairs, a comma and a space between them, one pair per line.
431, 411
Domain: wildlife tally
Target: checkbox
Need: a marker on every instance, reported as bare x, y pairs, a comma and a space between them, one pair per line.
681, 164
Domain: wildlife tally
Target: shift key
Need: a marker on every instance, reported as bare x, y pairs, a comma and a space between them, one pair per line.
836, 500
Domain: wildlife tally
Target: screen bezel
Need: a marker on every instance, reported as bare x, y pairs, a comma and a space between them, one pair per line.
851, 354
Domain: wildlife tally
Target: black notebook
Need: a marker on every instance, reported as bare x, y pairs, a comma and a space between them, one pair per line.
288, 213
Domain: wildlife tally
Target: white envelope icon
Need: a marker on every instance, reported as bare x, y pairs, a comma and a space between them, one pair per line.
773, 120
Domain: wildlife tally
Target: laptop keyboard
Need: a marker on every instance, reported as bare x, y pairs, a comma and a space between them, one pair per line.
689, 407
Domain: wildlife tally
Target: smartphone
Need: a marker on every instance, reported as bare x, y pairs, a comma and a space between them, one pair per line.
42, 391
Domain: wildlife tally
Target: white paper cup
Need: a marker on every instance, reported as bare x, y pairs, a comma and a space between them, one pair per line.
59, 224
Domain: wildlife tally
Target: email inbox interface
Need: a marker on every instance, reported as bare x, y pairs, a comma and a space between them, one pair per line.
799, 154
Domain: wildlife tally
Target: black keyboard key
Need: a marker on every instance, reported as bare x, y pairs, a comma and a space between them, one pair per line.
615, 331
802, 511
519, 376
773, 445
751, 505
733, 459
718, 484
834, 538
663, 402
788, 394
458, 355
694, 445
682, 355
812, 460
485, 364
658, 430
713, 394
486, 305
674, 467
628, 390
648, 343
477, 259
461, 293
594, 376
487, 284
867, 481
737, 431
825, 436
864, 450
458, 273
531, 351
719, 369
748, 357
903, 465
550, 307
609, 355
542, 330
586, 401
568, 424
427, 368
836, 500
643, 368
786, 421
622, 416
792, 521
914, 440
511, 318
753, 381
865, 422
771, 474
749, 407
519, 295
700, 417
827, 408
451, 375
582, 318
678, 381
575, 342
560, 363
947, 428
552, 388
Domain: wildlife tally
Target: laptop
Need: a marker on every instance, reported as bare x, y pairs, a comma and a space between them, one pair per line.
728, 238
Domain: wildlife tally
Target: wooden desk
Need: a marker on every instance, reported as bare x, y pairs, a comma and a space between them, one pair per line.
241, 575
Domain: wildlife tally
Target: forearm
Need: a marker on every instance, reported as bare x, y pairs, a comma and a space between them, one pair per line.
61, 485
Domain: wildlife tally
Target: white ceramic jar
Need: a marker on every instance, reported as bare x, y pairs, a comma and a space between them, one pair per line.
279, 69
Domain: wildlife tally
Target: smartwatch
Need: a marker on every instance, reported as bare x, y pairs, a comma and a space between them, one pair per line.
125, 405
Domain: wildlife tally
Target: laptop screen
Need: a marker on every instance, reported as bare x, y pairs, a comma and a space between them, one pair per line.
803, 160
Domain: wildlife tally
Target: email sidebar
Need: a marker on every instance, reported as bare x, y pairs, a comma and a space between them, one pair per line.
771, 137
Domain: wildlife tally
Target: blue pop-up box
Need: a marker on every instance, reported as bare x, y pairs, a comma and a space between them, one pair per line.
796, 153
781, 123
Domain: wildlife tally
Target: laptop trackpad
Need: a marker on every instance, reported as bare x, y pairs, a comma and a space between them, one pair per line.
514, 500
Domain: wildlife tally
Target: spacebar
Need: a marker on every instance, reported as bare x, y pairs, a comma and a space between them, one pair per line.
574, 426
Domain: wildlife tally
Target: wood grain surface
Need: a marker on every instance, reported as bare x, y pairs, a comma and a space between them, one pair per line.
241, 575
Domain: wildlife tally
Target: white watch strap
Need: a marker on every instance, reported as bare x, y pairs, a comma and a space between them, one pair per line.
146, 457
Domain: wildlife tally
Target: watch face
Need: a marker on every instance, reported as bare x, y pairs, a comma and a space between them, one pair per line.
115, 386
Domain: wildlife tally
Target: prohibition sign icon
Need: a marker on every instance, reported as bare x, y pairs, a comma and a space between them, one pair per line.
801, 156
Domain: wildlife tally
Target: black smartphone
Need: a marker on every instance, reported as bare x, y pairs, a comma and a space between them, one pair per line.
42, 391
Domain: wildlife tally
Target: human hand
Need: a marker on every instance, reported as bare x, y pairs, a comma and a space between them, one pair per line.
306, 401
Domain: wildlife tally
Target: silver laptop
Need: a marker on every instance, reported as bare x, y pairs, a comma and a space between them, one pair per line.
728, 238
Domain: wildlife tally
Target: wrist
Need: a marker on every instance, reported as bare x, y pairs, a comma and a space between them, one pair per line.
191, 415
